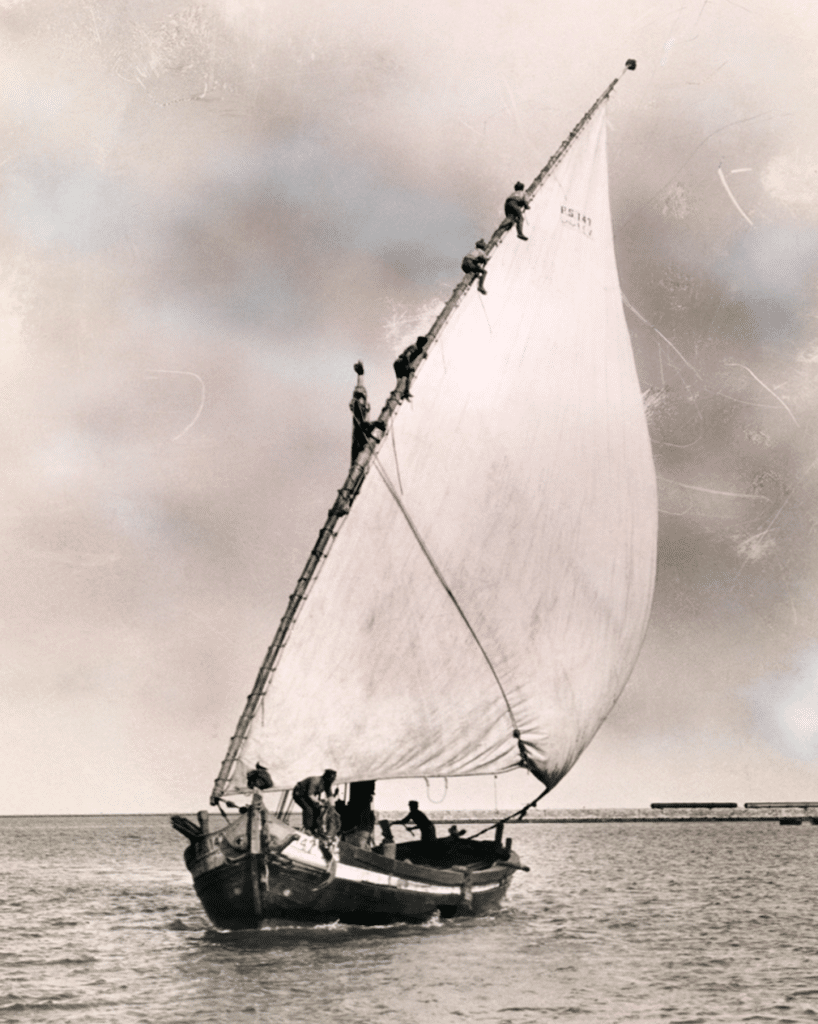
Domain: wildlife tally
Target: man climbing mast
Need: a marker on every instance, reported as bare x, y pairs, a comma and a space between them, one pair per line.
405, 362
515, 206
475, 263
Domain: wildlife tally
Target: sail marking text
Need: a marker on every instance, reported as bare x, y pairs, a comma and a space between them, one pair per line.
576, 219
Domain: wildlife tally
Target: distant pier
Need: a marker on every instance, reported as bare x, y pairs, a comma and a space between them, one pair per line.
663, 812
709, 806
787, 803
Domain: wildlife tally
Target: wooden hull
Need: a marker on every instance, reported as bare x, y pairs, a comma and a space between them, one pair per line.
256, 871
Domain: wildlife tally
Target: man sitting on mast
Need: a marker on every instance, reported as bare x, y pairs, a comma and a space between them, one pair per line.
475, 263
516, 204
417, 817
311, 794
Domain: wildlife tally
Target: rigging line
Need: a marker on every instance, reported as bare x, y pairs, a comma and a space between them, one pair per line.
429, 790
485, 314
390, 487
517, 814
395, 453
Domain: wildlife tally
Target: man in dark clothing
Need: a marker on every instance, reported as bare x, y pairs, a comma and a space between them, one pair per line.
475, 263
516, 205
362, 429
310, 794
259, 778
359, 819
403, 364
427, 829
359, 407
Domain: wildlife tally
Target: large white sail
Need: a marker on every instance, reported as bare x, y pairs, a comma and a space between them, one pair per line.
496, 569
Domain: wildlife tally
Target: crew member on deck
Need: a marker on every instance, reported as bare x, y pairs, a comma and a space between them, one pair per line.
516, 205
427, 829
359, 819
310, 794
475, 263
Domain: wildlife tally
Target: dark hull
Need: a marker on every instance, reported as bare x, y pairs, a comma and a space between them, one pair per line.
244, 882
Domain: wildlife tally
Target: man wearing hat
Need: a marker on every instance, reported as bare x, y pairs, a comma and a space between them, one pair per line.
475, 263
516, 204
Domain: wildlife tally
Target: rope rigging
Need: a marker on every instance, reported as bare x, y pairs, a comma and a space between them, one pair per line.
518, 815
437, 571
525, 760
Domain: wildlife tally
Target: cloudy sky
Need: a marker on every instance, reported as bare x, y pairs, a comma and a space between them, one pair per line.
209, 210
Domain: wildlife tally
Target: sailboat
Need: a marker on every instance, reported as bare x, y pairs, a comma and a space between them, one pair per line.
478, 594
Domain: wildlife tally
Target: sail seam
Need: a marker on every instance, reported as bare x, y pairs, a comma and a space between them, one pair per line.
437, 571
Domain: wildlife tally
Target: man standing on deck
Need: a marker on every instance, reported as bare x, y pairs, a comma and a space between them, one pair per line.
310, 794
427, 829
516, 205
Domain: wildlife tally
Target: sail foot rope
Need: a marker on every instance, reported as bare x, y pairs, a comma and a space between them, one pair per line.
516, 816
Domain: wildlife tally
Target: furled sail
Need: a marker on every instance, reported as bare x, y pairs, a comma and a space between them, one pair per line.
495, 572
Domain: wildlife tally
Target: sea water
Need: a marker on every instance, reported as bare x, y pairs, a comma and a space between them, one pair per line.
639, 922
